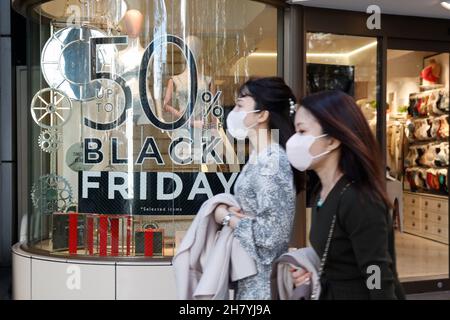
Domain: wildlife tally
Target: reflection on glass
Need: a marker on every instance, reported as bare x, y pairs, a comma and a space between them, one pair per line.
346, 63
417, 158
127, 173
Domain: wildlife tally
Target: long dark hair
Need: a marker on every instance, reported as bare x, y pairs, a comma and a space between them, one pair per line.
272, 94
360, 160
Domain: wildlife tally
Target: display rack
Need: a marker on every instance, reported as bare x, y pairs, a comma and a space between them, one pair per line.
427, 132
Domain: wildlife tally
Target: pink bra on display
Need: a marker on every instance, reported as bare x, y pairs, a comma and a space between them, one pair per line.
429, 156
443, 130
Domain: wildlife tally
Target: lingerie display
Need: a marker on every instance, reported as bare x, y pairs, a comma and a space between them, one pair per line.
427, 131
431, 102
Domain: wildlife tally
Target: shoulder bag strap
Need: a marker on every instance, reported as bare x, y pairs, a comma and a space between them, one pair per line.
327, 245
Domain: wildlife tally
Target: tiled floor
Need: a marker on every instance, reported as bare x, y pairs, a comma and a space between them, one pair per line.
420, 259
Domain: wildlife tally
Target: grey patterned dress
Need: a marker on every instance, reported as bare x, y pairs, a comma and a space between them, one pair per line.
265, 190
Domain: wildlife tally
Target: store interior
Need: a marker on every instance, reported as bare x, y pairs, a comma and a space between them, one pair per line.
417, 155
416, 138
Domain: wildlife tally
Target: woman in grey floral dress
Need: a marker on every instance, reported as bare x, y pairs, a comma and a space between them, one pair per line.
265, 188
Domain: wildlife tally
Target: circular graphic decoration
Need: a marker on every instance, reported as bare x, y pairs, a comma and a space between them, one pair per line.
51, 108
51, 193
74, 158
65, 61
49, 140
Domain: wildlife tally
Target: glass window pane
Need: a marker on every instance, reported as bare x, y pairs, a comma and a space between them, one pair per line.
347, 63
127, 96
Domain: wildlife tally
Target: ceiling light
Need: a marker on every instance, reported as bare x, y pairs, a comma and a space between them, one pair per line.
263, 54
367, 46
344, 54
446, 5
335, 55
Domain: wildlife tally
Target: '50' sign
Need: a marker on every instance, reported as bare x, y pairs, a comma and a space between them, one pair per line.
143, 70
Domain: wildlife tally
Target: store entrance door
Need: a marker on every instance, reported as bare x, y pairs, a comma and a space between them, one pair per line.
417, 160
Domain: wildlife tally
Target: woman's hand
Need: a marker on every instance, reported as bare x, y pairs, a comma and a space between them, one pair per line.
236, 217
300, 276
237, 212
223, 210
220, 213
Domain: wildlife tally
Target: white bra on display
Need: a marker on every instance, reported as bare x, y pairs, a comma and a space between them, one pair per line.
421, 129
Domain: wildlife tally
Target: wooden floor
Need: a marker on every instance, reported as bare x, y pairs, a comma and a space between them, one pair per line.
420, 259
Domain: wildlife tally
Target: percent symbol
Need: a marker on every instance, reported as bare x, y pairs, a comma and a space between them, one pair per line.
212, 102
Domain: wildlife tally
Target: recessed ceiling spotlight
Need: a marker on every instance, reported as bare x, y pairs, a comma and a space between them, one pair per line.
446, 5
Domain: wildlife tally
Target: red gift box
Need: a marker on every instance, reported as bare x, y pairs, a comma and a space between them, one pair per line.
149, 242
107, 233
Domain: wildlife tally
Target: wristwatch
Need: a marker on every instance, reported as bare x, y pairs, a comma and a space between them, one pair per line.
226, 220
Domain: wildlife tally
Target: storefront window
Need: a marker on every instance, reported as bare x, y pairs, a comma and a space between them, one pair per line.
347, 63
128, 106
417, 157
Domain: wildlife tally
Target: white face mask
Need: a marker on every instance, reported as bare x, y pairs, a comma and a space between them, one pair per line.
236, 125
297, 150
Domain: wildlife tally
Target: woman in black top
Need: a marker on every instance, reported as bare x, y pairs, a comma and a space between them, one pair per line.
334, 140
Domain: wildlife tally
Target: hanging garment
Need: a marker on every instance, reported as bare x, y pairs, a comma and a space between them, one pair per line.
395, 148
435, 127
208, 258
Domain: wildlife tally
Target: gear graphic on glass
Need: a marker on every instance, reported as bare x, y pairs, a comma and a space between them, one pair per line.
49, 141
51, 193
51, 108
